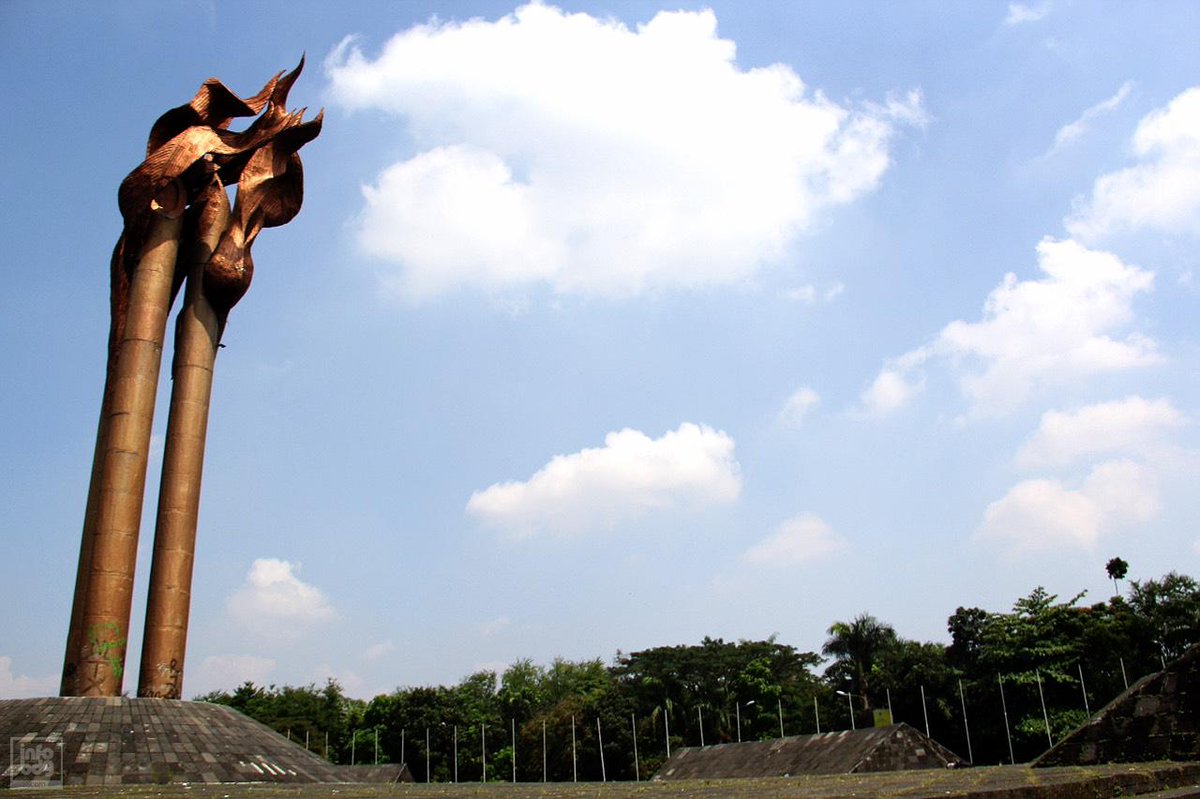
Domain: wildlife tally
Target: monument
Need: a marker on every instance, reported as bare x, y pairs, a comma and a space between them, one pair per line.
180, 233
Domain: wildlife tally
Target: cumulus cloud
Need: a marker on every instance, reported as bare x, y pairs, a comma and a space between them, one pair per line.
1034, 334
274, 602
631, 474
645, 158
799, 540
802, 402
1069, 133
22, 686
226, 672
896, 384
1162, 191
1046, 515
1019, 13
1131, 425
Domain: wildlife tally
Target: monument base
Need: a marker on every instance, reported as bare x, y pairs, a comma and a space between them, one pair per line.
127, 741
1157, 718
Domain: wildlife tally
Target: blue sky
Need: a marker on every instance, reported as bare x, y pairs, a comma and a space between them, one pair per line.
608, 326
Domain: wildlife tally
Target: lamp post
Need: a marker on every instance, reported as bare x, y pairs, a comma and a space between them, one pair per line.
739, 718
850, 705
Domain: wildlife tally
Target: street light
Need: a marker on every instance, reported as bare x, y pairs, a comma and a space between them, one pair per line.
850, 705
738, 707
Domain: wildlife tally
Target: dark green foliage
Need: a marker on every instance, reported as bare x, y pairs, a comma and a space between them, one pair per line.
1170, 609
1116, 568
856, 648
321, 713
715, 681
1072, 656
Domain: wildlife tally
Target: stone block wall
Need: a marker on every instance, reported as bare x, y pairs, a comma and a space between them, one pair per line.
1158, 718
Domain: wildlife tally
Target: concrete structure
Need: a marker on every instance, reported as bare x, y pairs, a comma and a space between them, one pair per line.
124, 741
895, 748
178, 228
1158, 718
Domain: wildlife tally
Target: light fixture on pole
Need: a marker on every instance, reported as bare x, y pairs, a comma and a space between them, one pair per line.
849, 704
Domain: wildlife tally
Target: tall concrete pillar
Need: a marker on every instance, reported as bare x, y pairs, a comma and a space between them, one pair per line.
190, 157
95, 660
197, 337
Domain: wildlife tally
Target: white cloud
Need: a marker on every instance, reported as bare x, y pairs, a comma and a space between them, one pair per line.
378, 651
691, 467
810, 294
1125, 492
1034, 333
1047, 515
352, 683
22, 686
1162, 191
799, 540
275, 603
1038, 515
893, 387
798, 406
227, 672
1131, 425
646, 158
1069, 133
490, 629
1019, 13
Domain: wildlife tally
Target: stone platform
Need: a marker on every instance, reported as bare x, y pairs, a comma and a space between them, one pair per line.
125, 741
1158, 718
895, 748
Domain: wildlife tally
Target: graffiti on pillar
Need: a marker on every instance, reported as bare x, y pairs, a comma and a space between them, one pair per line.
165, 683
104, 651
108, 642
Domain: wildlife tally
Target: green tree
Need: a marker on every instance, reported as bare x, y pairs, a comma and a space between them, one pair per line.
716, 681
1170, 609
856, 648
1116, 568
305, 712
966, 628
908, 670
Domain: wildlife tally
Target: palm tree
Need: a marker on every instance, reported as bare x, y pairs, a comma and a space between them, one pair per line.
855, 647
1117, 568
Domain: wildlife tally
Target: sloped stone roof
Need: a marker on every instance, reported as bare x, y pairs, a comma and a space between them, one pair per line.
1158, 718
895, 748
126, 741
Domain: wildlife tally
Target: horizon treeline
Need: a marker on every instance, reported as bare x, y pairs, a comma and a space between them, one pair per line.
1006, 686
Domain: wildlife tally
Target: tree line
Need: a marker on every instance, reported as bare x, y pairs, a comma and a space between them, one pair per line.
1006, 686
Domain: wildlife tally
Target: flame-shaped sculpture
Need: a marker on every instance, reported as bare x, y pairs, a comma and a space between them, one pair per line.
177, 227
